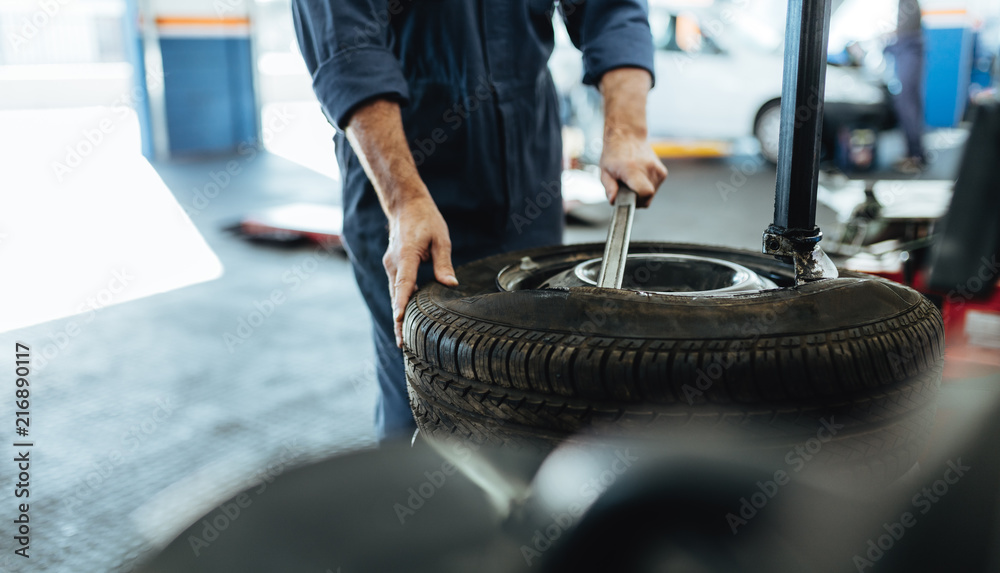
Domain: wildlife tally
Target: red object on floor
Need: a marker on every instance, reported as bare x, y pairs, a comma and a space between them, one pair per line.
972, 327
971, 315
322, 224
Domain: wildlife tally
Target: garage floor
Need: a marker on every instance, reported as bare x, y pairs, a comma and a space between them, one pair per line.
151, 412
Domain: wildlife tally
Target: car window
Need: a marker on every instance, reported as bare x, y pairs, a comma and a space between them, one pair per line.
680, 33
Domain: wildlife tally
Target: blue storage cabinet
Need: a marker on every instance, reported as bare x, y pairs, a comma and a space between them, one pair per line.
948, 71
209, 94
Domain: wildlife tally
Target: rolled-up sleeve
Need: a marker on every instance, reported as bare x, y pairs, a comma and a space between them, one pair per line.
611, 33
346, 49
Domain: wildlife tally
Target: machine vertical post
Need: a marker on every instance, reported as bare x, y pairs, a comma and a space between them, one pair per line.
794, 235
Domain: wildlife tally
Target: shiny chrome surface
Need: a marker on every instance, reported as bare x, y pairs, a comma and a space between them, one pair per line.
671, 274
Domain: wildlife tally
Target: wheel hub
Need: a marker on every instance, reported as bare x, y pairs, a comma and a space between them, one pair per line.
659, 273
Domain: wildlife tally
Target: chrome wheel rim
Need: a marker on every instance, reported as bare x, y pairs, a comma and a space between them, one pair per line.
656, 273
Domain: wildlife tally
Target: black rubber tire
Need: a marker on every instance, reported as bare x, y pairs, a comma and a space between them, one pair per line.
534, 367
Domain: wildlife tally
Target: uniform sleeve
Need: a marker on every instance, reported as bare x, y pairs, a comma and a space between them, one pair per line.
611, 33
345, 46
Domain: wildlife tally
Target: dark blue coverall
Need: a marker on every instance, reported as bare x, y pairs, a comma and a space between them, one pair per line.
481, 116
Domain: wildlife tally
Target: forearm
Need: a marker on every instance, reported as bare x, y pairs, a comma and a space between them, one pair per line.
376, 134
625, 91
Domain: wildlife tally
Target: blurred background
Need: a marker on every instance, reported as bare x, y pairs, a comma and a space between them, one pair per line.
169, 227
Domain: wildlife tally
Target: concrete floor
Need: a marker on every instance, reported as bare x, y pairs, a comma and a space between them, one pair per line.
149, 416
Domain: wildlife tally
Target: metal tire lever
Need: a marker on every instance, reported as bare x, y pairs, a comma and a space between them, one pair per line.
616, 247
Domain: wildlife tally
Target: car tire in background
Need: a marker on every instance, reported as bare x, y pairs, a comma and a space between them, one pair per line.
766, 129
856, 361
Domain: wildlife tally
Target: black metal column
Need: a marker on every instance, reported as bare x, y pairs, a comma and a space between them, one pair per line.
794, 235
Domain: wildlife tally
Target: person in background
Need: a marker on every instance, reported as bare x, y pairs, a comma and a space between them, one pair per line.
449, 140
907, 50
985, 63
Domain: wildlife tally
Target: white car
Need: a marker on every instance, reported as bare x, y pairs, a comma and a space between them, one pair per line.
718, 76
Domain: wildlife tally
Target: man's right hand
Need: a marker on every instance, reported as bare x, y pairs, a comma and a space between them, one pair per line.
417, 233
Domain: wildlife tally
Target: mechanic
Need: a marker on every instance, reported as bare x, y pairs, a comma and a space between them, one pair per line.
907, 49
448, 134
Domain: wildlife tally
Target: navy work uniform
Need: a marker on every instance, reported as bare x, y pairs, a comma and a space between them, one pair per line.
481, 116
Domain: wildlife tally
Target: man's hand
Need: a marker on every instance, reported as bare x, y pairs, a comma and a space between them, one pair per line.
627, 155
417, 231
